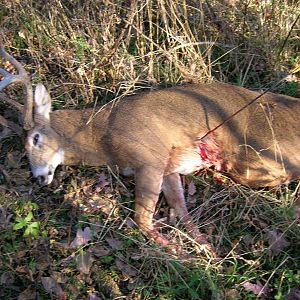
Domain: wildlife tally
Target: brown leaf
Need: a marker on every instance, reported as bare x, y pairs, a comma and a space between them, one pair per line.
7, 278
93, 297
21, 254
99, 250
232, 294
13, 159
5, 218
294, 294
248, 239
66, 261
191, 196
84, 262
51, 286
59, 277
43, 262
62, 247
22, 269
256, 288
82, 237
102, 182
191, 188
74, 290
28, 294
262, 224
126, 269
130, 223
114, 243
52, 232
276, 241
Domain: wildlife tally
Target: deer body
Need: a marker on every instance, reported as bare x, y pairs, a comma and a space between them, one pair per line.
160, 129
160, 135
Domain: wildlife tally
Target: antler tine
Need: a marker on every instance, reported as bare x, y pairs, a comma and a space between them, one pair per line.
21, 77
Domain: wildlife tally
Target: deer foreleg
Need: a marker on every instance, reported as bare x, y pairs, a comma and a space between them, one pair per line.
148, 187
173, 192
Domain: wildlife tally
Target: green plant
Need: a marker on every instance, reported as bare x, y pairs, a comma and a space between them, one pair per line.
26, 221
81, 47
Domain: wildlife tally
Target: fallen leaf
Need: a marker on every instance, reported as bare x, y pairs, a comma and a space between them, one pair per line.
74, 290
5, 218
126, 269
256, 288
294, 294
59, 277
248, 239
102, 182
52, 232
191, 188
13, 160
66, 261
42, 261
130, 223
232, 294
191, 195
84, 261
276, 241
62, 247
7, 278
93, 297
51, 286
82, 237
22, 269
262, 224
114, 243
99, 250
28, 294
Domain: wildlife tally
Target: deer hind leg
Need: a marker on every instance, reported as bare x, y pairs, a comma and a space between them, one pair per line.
173, 192
148, 186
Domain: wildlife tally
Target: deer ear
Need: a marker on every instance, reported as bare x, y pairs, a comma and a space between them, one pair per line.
42, 101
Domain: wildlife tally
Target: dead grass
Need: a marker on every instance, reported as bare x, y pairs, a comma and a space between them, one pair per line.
89, 52
86, 51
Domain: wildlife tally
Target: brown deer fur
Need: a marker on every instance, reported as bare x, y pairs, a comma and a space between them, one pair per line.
158, 135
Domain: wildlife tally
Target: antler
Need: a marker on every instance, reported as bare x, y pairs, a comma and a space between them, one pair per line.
21, 77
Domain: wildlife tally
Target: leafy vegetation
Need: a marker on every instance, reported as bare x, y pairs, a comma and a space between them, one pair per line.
76, 239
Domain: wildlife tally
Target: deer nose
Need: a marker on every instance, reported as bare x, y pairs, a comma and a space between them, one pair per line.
41, 179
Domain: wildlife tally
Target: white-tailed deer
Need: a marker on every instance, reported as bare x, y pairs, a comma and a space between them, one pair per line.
159, 136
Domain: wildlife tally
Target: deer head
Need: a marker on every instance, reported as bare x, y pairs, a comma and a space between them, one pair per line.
42, 142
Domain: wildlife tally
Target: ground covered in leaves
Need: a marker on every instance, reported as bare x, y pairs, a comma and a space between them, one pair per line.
76, 239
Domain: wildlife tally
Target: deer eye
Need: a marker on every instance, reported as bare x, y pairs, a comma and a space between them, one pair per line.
36, 139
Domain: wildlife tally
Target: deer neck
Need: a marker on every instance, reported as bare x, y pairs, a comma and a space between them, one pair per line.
81, 141
76, 153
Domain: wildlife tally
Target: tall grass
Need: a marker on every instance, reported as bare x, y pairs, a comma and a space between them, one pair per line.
85, 50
